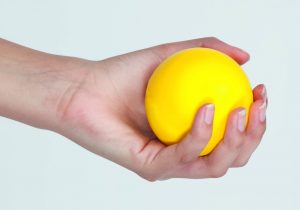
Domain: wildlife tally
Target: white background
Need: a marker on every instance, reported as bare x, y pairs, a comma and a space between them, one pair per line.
42, 170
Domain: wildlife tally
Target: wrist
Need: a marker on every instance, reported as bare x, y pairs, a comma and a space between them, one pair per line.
61, 83
32, 84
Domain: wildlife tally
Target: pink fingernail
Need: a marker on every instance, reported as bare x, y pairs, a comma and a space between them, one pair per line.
241, 120
209, 114
264, 93
262, 112
243, 51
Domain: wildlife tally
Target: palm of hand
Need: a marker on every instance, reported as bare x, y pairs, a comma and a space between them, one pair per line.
106, 115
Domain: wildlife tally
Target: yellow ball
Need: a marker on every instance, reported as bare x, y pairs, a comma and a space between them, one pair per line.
186, 81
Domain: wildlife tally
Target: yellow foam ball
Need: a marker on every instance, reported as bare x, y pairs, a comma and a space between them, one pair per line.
187, 80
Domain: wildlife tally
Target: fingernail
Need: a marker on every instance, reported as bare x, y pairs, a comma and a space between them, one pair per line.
209, 114
262, 112
243, 51
241, 120
264, 93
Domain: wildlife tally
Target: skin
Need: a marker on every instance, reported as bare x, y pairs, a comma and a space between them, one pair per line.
100, 106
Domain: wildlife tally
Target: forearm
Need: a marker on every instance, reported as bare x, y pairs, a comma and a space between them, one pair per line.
32, 84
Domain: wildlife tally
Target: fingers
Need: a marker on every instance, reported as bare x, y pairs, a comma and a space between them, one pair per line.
182, 160
217, 163
195, 141
226, 152
175, 156
260, 93
221, 159
237, 54
256, 126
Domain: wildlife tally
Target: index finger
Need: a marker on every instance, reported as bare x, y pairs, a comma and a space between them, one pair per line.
239, 55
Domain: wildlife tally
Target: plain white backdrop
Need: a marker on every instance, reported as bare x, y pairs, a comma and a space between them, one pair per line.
42, 170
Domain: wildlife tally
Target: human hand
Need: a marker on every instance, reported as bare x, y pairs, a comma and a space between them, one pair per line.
105, 114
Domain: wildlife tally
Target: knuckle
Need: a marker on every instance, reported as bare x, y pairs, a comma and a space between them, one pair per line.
256, 137
183, 150
235, 143
213, 38
151, 177
147, 171
185, 158
263, 130
217, 172
190, 148
258, 134
165, 49
240, 163
204, 134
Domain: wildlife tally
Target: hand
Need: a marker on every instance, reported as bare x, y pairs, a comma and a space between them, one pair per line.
105, 114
